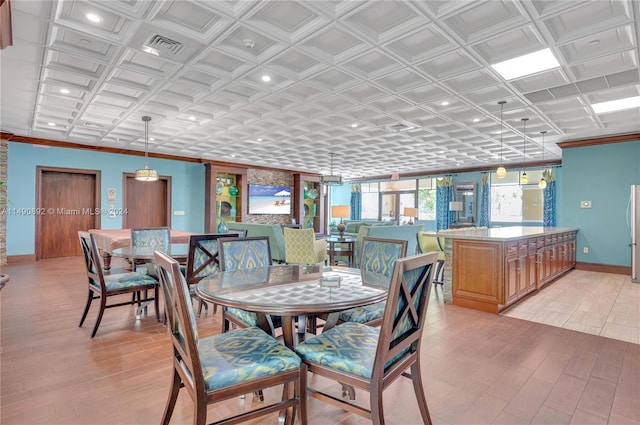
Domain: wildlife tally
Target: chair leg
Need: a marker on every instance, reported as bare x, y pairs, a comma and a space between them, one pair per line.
156, 302
301, 388
173, 396
377, 411
86, 308
103, 303
416, 378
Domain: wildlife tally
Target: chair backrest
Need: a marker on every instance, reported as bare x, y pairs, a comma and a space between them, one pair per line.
202, 259
95, 274
405, 314
379, 255
244, 253
181, 320
241, 233
299, 246
428, 242
150, 236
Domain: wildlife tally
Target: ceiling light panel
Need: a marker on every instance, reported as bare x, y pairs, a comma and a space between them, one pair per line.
528, 64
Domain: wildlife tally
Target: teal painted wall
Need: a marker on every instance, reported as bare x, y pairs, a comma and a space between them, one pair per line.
187, 191
602, 174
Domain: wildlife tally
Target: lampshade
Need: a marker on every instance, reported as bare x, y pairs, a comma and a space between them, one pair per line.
455, 206
410, 212
340, 211
146, 174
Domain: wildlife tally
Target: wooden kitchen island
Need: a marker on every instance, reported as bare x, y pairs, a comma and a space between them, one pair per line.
490, 269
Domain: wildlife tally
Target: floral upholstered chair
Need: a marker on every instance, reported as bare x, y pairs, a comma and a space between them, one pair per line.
242, 253
150, 237
225, 365
383, 354
103, 286
378, 256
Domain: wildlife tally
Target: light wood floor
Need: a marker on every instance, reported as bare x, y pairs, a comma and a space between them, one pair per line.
479, 368
596, 303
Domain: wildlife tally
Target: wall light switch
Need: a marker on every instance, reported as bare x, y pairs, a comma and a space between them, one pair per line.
177, 212
585, 204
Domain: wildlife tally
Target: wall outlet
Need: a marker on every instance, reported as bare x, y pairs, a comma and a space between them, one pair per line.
177, 212
585, 250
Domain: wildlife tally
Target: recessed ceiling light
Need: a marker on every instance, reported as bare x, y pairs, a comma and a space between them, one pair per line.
445, 103
528, 64
354, 125
152, 138
616, 105
64, 91
52, 124
93, 17
192, 118
266, 78
476, 120
259, 139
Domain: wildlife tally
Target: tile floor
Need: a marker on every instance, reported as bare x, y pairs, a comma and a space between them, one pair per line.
596, 303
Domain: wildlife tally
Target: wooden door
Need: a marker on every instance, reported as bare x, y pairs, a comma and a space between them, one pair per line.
67, 200
147, 204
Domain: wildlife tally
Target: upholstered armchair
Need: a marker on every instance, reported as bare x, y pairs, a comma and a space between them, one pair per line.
302, 247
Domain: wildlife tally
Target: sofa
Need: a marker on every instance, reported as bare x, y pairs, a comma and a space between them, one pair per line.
352, 227
273, 231
407, 232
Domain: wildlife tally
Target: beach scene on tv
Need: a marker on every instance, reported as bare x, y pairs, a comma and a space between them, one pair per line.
264, 199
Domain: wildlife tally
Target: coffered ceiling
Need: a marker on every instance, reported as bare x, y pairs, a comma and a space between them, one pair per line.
389, 86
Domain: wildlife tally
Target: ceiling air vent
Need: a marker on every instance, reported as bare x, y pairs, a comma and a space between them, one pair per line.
400, 127
165, 44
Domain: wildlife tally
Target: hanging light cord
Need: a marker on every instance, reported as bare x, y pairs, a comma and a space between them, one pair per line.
502, 102
146, 120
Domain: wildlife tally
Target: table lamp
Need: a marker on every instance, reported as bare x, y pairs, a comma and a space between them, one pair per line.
456, 207
411, 213
340, 211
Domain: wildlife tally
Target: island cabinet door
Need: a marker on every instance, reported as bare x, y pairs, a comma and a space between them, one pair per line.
477, 274
532, 262
512, 263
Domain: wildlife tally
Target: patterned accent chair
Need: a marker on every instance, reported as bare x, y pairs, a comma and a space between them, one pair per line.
103, 286
243, 253
202, 261
302, 247
378, 256
150, 236
428, 242
383, 354
225, 365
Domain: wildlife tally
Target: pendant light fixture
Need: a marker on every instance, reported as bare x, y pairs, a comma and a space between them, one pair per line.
524, 179
146, 174
543, 183
501, 172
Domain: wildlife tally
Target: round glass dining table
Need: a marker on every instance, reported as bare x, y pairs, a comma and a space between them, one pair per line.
178, 251
294, 290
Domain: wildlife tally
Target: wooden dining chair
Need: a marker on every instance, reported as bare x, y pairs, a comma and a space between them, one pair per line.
378, 256
243, 253
202, 261
226, 365
103, 286
383, 354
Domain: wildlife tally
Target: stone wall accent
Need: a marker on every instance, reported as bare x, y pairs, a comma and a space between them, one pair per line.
274, 178
4, 152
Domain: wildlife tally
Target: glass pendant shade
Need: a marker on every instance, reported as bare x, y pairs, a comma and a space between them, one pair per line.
524, 178
501, 172
146, 174
542, 183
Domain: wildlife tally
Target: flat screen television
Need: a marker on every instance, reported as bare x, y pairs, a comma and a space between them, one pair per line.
265, 199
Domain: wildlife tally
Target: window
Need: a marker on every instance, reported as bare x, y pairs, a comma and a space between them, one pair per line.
427, 199
515, 203
369, 201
